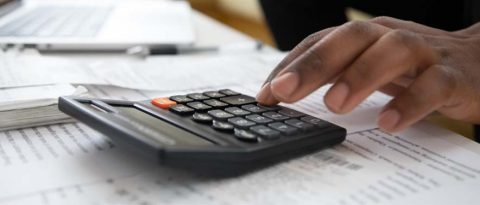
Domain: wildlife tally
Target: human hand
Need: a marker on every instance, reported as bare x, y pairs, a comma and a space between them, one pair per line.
423, 68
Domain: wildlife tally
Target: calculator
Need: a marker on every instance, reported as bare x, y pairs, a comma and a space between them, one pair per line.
220, 131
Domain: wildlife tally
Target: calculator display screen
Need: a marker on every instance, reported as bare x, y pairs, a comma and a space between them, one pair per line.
180, 136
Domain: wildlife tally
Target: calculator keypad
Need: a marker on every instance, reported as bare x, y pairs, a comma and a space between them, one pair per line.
241, 117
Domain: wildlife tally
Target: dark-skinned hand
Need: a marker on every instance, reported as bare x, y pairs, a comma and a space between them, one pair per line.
425, 70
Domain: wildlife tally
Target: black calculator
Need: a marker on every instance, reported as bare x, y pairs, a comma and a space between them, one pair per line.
219, 131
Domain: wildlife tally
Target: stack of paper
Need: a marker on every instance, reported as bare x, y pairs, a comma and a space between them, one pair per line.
33, 106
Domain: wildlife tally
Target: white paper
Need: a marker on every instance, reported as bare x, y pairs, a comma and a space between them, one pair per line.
71, 164
28, 97
166, 73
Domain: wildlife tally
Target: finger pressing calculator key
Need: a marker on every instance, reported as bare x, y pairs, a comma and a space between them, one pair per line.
221, 130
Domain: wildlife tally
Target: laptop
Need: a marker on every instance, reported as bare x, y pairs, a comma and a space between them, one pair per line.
95, 24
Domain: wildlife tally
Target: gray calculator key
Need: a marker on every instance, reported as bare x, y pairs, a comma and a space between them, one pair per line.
214, 94
270, 108
299, 124
238, 100
198, 106
237, 111
220, 114
259, 119
253, 108
215, 103
265, 132
181, 99
275, 116
181, 109
202, 118
222, 126
246, 136
241, 122
228, 92
282, 127
290, 113
198, 96
315, 121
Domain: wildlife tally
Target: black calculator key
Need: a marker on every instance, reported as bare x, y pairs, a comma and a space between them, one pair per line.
215, 103
253, 108
299, 124
290, 113
259, 119
222, 126
198, 106
198, 96
181, 99
228, 92
202, 118
241, 122
275, 116
238, 100
315, 121
220, 114
214, 94
282, 127
270, 108
237, 111
265, 132
181, 109
246, 136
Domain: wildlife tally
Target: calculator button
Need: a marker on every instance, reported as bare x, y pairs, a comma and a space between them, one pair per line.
241, 122
228, 92
299, 124
181, 99
198, 106
270, 108
282, 127
237, 111
315, 121
290, 113
259, 119
197, 96
238, 100
265, 132
246, 136
202, 118
181, 109
220, 114
215, 103
275, 116
222, 126
163, 103
253, 108
214, 94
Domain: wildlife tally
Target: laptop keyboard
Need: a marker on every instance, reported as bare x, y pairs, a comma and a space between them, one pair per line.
58, 21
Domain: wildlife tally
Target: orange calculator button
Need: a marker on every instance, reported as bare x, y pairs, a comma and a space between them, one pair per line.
163, 103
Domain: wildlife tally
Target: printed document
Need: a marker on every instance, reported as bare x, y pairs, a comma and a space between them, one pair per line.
72, 164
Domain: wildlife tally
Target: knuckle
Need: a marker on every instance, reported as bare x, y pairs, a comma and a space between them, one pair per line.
357, 27
314, 37
382, 20
405, 38
314, 60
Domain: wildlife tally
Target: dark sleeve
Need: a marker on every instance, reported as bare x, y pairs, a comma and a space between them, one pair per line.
291, 21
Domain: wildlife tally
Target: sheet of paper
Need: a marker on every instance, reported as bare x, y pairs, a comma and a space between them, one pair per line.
35, 96
75, 165
166, 73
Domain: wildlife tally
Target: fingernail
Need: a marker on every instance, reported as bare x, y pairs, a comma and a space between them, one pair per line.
389, 119
262, 94
336, 96
284, 85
